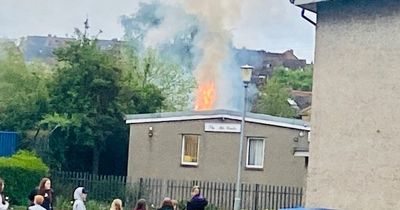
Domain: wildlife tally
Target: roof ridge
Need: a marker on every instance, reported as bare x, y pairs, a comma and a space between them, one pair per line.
217, 113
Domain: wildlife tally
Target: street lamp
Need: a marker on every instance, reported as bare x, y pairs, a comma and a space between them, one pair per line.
246, 77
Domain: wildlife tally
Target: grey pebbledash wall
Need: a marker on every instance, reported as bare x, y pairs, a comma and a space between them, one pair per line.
355, 145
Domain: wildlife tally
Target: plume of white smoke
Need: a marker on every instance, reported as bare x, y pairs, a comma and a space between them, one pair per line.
199, 31
175, 21
165, 27
217, 18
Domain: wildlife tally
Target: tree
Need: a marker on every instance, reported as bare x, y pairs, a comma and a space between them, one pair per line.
273, 100
151, 72
23, 90
296, 79
88, 99
86, 87
168, 65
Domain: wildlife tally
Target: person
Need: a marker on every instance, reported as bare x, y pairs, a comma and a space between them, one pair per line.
47, 193
38, 201
166, 204
175, 204
116, 204
44, 189
3, 202
197, 202
141, 205
32, 195
80, 195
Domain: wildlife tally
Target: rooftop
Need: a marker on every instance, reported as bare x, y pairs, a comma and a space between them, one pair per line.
215, 114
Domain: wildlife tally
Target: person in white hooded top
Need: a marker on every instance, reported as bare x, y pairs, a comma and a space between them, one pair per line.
3, 203
80, 197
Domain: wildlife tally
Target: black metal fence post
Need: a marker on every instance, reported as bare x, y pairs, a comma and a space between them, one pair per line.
140, 191
220, 195
256, 191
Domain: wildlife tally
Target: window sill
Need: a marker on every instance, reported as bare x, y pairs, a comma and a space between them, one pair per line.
254, 168
190, 165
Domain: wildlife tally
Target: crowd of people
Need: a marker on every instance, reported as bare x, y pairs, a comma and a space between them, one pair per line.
197, 202
42, 198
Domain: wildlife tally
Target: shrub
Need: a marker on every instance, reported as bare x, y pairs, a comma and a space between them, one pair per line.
211, 206
66, 204
182, 205
21, 173
63, 203
96, 205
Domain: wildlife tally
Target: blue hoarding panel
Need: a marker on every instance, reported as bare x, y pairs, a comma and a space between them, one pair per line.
8, 143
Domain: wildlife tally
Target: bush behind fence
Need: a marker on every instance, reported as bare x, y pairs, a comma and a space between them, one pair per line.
220, 195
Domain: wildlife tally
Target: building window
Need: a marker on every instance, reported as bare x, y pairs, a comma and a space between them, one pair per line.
255, 153
190, 150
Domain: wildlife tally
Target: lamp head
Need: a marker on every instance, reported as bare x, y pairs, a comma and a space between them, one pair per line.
246, 73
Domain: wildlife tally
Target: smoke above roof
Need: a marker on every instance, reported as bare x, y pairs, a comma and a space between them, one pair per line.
196, 34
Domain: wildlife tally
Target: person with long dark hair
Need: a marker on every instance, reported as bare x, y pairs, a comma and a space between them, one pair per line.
166, 204
3, 203
141, 205
47, 193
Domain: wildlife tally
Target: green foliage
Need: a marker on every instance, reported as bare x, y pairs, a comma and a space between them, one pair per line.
91, 91
85, 91
21, 173
63, 203
101, 190
174, 83
176, 48
23, 91
211, 206
133, 192
66, 204
182, 205
74, 110
96, 205
88, 80
18, 207
23, 95
273, 95
150, 72
294, 79
273, 100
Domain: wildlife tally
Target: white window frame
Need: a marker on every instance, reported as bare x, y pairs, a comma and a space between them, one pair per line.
183, 150
247, 153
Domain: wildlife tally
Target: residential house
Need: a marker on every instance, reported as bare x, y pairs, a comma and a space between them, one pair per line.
265, 62
204, 145
354, 149
42, 47
305, 114
303, 101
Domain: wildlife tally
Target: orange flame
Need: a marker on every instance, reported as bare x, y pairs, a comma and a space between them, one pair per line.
205, 96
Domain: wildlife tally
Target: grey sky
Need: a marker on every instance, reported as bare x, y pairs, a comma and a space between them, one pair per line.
271, 25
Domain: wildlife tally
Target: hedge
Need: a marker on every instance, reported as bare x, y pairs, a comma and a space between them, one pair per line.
21, 173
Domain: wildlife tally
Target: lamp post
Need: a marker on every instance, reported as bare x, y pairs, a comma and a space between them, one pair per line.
246, 77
